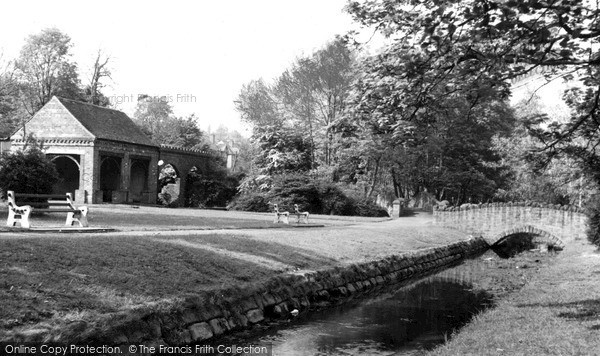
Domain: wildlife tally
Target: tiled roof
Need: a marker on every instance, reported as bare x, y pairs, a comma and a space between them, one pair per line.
105, 123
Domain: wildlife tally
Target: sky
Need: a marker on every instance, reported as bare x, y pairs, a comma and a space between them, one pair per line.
197, 54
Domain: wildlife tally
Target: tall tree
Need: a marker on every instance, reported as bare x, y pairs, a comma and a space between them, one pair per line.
304, 102
313, 92
45, 69
153, 115
100, 70
257, 105
470, 48
8, 98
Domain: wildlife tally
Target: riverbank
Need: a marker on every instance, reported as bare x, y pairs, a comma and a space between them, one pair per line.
557, 312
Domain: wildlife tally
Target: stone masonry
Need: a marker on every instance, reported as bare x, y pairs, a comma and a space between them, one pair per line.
495, 221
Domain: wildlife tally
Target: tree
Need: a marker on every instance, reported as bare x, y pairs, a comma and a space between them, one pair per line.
257, 106
45, 69
470, 49
300, 106
100, 70
153, 115
312, 93
8, 98
560, 182
184, 132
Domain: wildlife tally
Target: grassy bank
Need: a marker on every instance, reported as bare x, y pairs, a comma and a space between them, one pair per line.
51, 279
556, 313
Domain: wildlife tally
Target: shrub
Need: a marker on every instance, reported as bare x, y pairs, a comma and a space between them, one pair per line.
368, 208
334, 201
27, 171
211, 189
290, 189
258, 202
313, 195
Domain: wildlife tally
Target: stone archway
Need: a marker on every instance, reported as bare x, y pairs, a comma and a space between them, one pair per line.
169, 185
69, 173
527, 229
110, 177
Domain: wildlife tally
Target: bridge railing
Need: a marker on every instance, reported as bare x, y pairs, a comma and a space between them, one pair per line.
464, 207
490, 220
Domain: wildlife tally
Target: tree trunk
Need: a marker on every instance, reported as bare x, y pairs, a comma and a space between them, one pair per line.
374, 182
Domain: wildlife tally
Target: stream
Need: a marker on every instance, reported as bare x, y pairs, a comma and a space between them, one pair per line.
404, 321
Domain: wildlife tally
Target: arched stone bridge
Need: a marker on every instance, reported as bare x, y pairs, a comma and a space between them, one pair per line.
496, 221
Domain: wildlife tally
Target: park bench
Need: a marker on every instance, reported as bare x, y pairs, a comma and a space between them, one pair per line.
21, 205
300, 214
281, 214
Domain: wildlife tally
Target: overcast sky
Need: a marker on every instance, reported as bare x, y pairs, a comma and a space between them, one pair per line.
202, 51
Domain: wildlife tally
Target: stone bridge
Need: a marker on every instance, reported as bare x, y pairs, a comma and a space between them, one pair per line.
495, 222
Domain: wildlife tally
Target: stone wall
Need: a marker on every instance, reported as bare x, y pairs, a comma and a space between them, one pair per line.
495, 221
200, 321
127, 152
183, 160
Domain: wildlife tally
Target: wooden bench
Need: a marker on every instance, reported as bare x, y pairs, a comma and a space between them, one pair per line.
280, 214
300, 214
43, 203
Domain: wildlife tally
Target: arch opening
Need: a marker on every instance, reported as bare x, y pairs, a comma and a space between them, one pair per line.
68, 173
521, 241
110, 177
169, 185
138, 180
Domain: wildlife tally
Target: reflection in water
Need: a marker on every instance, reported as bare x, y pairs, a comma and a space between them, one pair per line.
416, 317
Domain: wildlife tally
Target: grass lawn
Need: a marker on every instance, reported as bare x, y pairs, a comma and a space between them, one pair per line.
63, 276
153, 218
556, 313
52, 278
147, 219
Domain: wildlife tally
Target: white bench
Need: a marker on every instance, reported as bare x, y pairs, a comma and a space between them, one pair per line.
43, 203
300, 214
281, 214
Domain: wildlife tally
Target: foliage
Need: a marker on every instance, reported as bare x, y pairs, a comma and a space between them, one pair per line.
313, 195
184, 132
253, 201
44, 69
8, 98
215, 189
168, 197
468, 50
294, 115
281, 150
447, 150
168, 186
559, 182
211, 186
154, 115
27, 171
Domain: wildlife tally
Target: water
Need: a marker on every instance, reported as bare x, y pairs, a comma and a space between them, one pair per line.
406, 321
